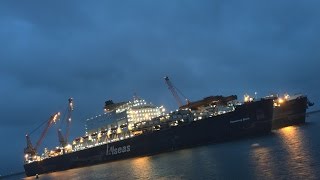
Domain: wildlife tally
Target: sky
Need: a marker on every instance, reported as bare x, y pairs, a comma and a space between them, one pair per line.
99, 50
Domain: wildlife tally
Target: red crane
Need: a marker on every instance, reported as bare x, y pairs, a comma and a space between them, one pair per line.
174, 91
33, 150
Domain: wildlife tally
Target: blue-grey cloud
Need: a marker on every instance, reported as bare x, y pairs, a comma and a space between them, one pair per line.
101, 50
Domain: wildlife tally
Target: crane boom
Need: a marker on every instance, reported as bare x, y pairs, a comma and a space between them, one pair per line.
173, 91
63, 139
52, 120
70, 109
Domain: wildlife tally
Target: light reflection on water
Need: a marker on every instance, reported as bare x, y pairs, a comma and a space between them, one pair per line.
286, 156
288, 153
141, 168
298, 155
263, 162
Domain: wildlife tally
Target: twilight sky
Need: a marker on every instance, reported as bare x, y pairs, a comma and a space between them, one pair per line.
94, 51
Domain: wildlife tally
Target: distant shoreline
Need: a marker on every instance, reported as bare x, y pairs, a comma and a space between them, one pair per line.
313, 112
9, 175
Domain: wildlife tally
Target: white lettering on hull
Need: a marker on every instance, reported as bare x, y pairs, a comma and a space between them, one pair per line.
240, 120
117, 150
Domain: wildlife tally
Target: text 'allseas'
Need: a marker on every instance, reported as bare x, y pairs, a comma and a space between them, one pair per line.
117, 150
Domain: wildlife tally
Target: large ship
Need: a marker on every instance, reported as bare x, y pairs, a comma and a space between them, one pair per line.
138, 128
288, 110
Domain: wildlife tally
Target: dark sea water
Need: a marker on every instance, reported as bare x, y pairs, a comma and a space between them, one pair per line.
289, 153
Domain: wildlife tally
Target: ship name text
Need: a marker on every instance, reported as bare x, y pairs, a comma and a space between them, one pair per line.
239, 120
117, 150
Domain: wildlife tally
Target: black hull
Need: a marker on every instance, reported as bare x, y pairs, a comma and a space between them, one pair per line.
292, 112
247, 120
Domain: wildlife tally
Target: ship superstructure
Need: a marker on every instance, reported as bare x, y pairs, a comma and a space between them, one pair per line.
122, 116
117, 122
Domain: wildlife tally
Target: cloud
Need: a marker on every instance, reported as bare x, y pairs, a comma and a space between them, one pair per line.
51, 51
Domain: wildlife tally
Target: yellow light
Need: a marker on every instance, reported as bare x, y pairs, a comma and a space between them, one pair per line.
119, 130
55, 117
288, 129
26, 156
246, 98
130, 127
69, 147
286, 96
280, 100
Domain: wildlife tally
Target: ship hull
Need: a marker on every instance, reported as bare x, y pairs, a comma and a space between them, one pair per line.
249, 119
292, 112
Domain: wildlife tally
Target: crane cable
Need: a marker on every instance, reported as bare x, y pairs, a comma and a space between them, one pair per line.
186, 99
63, 118
39, 126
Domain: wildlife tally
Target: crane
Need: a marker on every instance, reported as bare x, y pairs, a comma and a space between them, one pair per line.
33, 150
70, 109
63, 139
200, 103
174, 91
